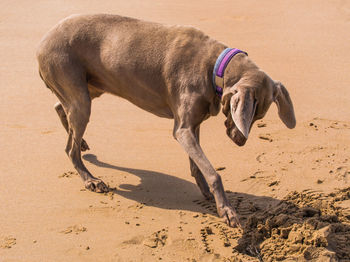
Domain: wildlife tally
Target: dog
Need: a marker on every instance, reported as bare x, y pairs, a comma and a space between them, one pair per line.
176, 72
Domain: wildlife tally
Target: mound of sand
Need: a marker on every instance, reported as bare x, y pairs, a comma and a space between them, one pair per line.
304, 225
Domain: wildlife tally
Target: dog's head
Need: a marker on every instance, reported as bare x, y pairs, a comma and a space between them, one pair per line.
249, 99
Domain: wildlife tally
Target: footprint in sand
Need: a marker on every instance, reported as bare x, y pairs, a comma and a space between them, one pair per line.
321, 123
76, 229
341, 173
68, 174
7, 242
157, 239
218, 238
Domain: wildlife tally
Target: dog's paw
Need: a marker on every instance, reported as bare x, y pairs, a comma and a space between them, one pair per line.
229, 216
96, 185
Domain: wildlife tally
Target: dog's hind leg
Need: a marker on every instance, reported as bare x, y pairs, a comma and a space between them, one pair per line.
64, 74
78, 110
197, 174
63, 117
71, 88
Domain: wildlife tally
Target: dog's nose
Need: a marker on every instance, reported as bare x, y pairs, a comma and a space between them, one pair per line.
238, 137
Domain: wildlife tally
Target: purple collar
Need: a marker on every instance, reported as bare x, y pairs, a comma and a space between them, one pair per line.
220, 66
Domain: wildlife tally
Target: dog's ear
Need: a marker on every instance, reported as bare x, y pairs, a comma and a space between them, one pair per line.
225, 100
243, 106
284, 104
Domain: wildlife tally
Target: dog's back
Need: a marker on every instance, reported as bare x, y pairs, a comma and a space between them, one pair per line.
137, 60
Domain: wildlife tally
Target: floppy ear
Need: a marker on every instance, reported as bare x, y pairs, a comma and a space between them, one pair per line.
226, 98
243, 106
285, 105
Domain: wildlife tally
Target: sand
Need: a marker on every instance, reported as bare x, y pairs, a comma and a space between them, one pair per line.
290, 187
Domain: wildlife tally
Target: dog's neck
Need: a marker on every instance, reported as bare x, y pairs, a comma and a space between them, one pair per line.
220, 66
241, 67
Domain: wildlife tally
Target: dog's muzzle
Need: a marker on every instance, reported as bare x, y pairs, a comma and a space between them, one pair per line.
233, 133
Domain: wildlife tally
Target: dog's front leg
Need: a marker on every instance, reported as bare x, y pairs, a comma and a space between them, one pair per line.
197, 174
186, 137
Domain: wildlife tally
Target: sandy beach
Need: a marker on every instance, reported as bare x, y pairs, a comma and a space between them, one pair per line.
291, 188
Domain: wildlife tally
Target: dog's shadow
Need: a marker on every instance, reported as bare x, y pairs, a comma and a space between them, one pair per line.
155, 188
166, 191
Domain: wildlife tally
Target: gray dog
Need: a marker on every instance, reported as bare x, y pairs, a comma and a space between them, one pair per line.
174, 72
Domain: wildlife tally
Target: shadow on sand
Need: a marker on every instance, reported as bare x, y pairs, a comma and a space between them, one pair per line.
155, 188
